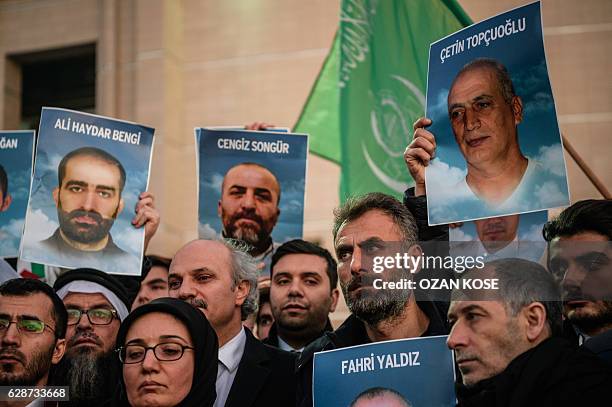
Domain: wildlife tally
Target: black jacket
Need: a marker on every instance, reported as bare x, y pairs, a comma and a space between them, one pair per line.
554, 373
265, 377
272, 338
351, 333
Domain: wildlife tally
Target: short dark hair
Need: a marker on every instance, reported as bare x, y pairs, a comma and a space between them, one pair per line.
591, 215
299, 246
151, 261
379, 391
264, 295
3, 182
21, 287
522, 282
501, 73
95, 153
357, 206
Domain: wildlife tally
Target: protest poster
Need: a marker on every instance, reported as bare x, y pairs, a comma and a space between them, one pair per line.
511, 236
251, 187
16, 157
415, 372
88, 174
499, 149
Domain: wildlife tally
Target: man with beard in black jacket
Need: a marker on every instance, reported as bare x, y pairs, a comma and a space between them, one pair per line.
507, 346
373, 223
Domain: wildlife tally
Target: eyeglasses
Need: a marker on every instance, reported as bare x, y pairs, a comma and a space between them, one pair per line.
30, 326
96, 316
164, 352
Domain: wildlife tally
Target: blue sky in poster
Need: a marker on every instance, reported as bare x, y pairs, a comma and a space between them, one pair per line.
539, 137
17, 163
424, 375
290, 170
53, 145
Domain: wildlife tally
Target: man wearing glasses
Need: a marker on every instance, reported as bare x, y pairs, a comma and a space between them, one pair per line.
32, 333
96, 304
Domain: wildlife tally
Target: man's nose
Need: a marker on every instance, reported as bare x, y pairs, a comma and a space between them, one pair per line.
84, 323
458, 337
296, 289
472, 122
186, 291
356, 261
89, 201
11, 336
573, 277
248, 200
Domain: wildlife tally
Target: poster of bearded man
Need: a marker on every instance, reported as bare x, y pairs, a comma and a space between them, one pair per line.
88, 175
251, 187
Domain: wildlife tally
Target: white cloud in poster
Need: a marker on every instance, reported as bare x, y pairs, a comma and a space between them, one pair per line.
551, 158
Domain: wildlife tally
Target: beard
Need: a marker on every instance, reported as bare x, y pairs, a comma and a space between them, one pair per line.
371, 305
258, 237
35, 369
87, 373
84, 232
592, 321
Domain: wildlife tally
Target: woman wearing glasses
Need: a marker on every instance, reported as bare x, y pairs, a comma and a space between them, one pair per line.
169, 355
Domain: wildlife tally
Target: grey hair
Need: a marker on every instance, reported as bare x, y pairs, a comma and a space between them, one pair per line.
244, 268
355, 207
501, 73
522, 282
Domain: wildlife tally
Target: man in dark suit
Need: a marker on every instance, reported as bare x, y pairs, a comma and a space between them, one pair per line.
220, 279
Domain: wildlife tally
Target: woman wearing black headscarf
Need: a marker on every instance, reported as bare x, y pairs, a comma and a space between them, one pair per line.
169, 355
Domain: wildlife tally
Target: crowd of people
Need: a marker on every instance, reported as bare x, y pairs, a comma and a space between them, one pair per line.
181, 336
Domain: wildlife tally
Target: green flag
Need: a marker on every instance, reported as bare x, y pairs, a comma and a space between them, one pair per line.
372, 88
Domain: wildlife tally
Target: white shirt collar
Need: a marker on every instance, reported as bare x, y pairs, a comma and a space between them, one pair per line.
230, 354
285, 346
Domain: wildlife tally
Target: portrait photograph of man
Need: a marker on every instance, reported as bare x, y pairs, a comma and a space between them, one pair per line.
498, 147
83, 196
16, 153
251, 187
511, 236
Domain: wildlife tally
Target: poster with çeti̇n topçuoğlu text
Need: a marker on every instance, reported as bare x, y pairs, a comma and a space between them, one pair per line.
498, 145
416, 372
16, 158
88, 175
251, 186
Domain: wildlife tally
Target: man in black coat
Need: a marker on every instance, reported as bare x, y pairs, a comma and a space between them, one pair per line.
220, 278
506, 345
364, 225
302, 294
580, 256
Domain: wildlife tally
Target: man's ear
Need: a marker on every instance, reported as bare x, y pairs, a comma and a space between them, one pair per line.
517, 109
56, 196
535, 320
58, 351
120, 207
242, 292
335, 294
7, 202
415, 252
219, 210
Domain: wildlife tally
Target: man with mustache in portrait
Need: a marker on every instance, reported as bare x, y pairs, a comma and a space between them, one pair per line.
88, 199
248, 208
